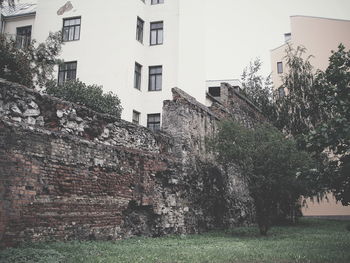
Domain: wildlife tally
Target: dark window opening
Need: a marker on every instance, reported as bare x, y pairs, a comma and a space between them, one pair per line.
138, 75
71, 29
155, 2
155, 78
135, 117
23, 36
215, 91
139, 30
153, 122
67, 71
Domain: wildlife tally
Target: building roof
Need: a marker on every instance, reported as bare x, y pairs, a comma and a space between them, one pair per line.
19, 10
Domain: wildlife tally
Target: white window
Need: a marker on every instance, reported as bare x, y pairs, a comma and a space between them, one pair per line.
156, 37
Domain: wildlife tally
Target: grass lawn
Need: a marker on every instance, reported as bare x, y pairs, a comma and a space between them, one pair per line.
311, 240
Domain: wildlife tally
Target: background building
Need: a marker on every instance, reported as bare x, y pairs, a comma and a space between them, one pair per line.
137, 49
319, 36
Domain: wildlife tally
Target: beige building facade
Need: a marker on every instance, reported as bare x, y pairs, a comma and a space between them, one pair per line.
319, 36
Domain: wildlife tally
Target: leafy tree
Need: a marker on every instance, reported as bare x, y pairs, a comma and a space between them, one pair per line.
34, 66
333, 134
299, 110
276, 173
316, 111
258, 89
91, 96
30, 66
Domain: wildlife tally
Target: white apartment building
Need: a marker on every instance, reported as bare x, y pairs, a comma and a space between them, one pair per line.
139, 49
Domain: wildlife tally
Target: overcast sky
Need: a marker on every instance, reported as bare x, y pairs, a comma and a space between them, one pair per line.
240, 30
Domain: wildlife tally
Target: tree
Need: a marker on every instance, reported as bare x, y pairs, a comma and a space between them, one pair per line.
258, 89
33, 66
91, 96
333, 134
316, 111
299, 110
276, 173
30, 66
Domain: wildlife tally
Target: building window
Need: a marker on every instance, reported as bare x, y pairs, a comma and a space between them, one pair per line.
23, 36
156, 37
155, 2
281, 92
67, 71
139, 30
137, 77
215, 91
155, 78
153, 122
135, 117
71, 29
279, 67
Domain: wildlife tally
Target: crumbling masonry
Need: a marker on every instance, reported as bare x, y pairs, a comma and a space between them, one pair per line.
67, 172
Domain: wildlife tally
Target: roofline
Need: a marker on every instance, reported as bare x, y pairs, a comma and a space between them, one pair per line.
284, 44
20, 15
223, 80
320, 17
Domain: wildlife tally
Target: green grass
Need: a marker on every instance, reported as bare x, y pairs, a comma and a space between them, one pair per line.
310, 241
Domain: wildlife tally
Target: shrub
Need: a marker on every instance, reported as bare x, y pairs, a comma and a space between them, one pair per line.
91, 96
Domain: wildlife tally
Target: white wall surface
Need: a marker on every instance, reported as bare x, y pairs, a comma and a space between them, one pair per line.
108, 49
10, 25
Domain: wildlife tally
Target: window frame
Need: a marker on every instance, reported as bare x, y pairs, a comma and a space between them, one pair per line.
74, 26
138, 114
279, 67
155, 75
20, 44
157, 30
154, 125
66, 71
140, 30
137, 76
157, 2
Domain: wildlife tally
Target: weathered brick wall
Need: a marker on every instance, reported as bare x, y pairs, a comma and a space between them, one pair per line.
67, 172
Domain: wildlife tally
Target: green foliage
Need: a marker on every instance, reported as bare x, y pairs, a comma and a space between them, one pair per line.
333, 134
316, 111
299, 110
258, 89
30, 66
91, 96
305, 242
276, 173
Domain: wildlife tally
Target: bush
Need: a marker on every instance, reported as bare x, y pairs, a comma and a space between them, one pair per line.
91, 96
276, 173
31, 66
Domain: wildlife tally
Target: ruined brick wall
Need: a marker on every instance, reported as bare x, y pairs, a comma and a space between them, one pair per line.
67, 172
221, 197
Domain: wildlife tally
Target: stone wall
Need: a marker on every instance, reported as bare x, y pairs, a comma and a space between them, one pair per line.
67, 172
